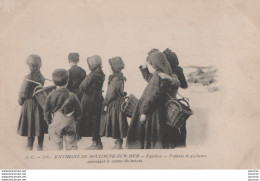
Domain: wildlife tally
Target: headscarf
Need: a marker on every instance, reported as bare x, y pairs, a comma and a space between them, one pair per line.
159, 62
116, 64
94, 62
152, 50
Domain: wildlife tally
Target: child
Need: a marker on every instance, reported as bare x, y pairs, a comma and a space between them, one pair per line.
92, 102
179, 134
66, 110
31, 121
76, 75
114, 123
148, 129
176, 69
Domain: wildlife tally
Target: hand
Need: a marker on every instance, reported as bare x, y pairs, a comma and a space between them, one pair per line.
21, 101
48, 123
144, 64
105, 108
142, 118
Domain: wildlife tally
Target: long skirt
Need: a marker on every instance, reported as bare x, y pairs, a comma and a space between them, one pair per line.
89, 124
153, 134
180, 136
114, 122
31, 122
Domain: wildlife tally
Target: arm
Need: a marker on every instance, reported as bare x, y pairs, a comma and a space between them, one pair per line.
77, 108
151, 95
23, 92
42, 80
181, 77
112, 90
175, 81
69, 82
145, 73
86, 82
83, 74
47, 110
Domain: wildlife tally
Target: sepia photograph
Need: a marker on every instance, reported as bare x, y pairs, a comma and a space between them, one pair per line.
129, 84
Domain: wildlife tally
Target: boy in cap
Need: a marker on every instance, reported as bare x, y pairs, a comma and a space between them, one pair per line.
65, 108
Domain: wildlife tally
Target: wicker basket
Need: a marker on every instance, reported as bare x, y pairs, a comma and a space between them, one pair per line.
178, 111
128, 107
41, 93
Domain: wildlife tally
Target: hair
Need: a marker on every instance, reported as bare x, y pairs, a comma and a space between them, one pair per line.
73, 57
34, 62
60, 77
174, 62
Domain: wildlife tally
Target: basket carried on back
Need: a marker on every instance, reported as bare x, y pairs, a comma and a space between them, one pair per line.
177, 112
41, 93
128, 107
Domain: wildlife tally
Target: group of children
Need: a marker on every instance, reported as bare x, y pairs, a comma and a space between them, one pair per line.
77, 108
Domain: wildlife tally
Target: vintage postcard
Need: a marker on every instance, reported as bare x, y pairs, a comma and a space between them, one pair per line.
96, 84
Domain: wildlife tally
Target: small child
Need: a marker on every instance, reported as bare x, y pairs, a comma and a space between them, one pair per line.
76, 75
66, 110
114, 123
31, 122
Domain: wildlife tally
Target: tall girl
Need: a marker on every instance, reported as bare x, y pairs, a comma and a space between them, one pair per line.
148, 129
31, 122
92, 101
114, 123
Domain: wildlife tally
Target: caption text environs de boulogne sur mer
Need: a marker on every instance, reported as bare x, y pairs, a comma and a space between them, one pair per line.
116, 158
